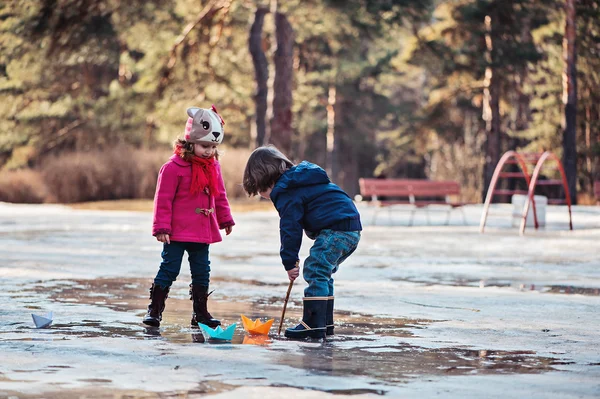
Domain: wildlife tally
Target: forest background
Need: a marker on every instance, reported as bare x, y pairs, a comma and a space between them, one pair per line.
93, 93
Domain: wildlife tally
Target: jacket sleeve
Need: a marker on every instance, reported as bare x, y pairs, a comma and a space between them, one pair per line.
222, 209
166, 187
291, 212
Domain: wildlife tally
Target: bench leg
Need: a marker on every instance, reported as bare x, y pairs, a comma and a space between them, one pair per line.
448, 216
412, 215
464, 215
375, 216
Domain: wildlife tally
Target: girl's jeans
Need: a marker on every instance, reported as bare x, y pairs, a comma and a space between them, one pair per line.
329, 250
170, 266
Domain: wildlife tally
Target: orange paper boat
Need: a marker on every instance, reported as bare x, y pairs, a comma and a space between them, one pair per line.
256, 326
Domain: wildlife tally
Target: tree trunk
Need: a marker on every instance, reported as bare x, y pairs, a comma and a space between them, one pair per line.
261, 72
589, 171
491, 111
570, 100
334, 142
281, 124
329, 158
523, 99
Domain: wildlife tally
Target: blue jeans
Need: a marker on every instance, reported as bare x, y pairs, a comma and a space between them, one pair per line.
170, 266
329, 250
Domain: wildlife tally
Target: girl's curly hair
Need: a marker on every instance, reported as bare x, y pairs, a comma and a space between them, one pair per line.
187, 149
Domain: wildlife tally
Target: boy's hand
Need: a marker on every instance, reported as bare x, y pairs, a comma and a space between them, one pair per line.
293, 273
228, 230
163, 238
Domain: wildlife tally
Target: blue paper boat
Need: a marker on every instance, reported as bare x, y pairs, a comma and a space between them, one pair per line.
218, 333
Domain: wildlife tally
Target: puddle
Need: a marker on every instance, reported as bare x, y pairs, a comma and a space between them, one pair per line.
398, 364
358, 349
454, 281
131, 296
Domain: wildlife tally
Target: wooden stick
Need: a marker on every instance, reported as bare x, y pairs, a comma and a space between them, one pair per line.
287, 296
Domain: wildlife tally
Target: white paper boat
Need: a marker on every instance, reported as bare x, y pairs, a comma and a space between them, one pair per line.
42, 321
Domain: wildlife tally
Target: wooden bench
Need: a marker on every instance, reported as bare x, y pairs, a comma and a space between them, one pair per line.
597, 191
416, 192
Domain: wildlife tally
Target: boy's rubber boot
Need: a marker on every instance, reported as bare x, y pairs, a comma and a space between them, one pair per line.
329, 316
199, 295
158, 296
313, 319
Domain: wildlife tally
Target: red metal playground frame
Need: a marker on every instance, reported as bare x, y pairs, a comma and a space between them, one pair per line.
523, 160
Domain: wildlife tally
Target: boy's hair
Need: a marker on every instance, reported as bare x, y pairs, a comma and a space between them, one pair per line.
265, 165
187, 149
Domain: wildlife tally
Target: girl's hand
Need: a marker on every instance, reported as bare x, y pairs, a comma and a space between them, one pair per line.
293, 273
228, 230
163, 238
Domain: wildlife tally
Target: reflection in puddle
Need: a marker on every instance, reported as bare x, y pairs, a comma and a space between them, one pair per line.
399, 363
454, 281
261, 340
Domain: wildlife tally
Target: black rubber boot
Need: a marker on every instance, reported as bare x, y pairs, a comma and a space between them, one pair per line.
199, 295
329, 316
313, 319
158, 296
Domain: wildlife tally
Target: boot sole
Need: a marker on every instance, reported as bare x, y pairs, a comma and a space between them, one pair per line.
211, 325
151, 323
315, 334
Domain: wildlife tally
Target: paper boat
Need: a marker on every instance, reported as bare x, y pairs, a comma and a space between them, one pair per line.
256, 326
42, 321
256, 340
218, 333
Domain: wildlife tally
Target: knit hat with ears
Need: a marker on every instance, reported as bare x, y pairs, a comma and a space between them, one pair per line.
204, 125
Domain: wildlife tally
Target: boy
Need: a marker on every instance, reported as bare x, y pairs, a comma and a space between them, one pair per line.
307, 201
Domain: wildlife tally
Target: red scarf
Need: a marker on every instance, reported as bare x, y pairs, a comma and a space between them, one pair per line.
204, 174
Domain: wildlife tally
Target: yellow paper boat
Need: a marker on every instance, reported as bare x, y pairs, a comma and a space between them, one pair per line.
256, 326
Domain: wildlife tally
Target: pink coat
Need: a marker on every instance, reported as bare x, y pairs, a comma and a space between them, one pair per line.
186, 217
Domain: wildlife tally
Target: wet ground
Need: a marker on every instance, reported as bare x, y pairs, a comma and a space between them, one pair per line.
430, 310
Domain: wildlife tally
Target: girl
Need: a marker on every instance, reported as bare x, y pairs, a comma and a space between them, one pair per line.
190, 206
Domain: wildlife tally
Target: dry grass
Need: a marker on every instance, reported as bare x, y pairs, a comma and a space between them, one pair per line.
125, 179
119, 173
233, 162
136, 205
113, 174
23, 186
587, 199
237, 205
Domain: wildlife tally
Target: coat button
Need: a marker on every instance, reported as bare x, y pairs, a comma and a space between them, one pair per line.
198, 210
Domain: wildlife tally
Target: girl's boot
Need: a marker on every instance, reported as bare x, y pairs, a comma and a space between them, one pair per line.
313, 323
329, 316
199, 295
158, 296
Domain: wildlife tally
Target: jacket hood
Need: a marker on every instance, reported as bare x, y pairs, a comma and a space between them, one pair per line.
179, 161
303, 174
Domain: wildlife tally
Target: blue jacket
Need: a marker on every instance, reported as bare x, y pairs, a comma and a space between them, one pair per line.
307, 200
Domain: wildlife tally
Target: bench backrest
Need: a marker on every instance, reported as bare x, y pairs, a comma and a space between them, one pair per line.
407, 187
